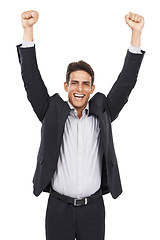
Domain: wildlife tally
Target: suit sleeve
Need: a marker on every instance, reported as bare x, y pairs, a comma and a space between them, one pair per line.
120, 91
35, 88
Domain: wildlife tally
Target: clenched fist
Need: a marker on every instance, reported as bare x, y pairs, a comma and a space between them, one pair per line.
135, 21
29, 18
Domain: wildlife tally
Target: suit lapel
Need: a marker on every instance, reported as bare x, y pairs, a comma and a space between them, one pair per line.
64, 114
94, 110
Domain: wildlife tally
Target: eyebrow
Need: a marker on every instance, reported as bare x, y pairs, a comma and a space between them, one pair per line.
78, 81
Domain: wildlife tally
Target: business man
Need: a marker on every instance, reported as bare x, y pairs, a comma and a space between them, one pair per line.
76, 162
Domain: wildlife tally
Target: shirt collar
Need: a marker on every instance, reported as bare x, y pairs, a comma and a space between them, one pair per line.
74, 111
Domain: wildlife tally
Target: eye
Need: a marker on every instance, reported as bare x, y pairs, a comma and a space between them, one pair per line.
86, 84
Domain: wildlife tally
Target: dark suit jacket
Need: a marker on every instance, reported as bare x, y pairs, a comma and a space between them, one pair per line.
52, 111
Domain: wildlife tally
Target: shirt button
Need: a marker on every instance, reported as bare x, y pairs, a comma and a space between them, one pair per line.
80, 151
80, 136
79, 182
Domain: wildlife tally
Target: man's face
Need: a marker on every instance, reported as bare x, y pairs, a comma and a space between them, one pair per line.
79, 89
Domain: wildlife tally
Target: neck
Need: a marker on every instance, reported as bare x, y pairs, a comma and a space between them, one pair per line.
79, 110
79, 113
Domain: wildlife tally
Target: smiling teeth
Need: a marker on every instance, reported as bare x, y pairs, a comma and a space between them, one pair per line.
77, 95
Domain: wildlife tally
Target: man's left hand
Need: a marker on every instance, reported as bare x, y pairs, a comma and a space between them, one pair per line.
135, 21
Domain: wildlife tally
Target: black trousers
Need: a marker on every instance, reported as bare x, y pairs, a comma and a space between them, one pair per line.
64, 221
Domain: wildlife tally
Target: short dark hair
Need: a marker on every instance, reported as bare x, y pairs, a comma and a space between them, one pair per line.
80, 65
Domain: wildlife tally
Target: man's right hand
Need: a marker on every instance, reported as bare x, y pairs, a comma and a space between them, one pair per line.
29, 18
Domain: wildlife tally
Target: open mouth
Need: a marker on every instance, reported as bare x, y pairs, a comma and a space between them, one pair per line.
79, 96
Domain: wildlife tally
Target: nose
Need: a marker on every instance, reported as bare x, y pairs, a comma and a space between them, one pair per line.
79, 87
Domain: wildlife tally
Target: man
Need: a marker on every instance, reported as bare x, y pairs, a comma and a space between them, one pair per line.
76, 161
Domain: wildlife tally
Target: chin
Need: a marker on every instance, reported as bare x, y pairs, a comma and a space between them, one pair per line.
78, 105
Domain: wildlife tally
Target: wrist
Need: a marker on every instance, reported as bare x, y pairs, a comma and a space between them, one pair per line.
136, 38
136, 32
28, 34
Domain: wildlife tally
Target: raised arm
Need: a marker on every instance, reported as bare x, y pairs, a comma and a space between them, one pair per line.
119, 93
36, 90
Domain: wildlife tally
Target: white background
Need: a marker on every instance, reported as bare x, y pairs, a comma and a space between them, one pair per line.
96, 32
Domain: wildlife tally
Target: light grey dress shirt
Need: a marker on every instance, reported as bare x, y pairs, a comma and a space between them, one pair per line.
79, 166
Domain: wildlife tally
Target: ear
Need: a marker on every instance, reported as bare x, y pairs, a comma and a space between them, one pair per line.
92, 88
66, 87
